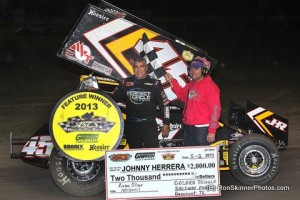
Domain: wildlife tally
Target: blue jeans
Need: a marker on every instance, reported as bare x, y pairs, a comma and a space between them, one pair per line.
195, 136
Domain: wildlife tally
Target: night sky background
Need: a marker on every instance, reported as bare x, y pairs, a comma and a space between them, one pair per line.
252, 29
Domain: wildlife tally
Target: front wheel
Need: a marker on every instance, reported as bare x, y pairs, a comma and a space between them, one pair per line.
254, 160
76, 178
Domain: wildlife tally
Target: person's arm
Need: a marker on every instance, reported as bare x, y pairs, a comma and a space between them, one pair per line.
119, 93
180, 92
162, 101
214, 112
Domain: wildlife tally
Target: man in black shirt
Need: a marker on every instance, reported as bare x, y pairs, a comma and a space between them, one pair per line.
142, 94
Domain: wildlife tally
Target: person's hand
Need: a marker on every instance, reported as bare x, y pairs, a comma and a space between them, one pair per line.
168, 77
211, 137
165, 130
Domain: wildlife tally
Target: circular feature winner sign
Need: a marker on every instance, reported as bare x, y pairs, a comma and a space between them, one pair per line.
86, 124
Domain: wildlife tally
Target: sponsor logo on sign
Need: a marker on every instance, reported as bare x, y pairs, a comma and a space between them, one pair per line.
100, 16
187, 55
94, 147
168, 156
72, 147
86, 138
115, 12
277, 124
101, 68
145, 156
80, 51
85, 123
120, 157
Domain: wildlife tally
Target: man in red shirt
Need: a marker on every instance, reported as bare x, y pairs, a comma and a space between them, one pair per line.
202, 104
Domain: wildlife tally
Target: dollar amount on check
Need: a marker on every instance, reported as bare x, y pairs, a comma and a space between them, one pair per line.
162, 173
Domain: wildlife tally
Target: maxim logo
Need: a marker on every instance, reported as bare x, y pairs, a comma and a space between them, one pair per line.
86, 123
100, 16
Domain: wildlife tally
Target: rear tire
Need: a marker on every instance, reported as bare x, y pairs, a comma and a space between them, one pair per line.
254, 160
76, 178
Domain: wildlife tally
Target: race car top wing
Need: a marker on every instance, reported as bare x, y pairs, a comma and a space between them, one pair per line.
106, 40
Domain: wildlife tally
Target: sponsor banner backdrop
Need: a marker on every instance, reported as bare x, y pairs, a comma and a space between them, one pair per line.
162, 173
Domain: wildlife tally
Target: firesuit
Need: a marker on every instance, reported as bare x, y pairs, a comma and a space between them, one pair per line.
142, 96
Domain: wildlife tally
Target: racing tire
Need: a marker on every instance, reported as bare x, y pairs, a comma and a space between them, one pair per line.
77, 178
254, 160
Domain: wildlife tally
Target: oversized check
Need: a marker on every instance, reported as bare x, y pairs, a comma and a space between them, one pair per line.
162, 173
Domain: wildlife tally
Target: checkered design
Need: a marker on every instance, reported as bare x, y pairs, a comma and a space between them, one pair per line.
69, 123
155, 68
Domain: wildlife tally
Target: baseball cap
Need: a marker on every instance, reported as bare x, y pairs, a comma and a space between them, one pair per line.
197, 64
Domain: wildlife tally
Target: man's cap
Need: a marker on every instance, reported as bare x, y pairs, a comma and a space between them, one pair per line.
197, 64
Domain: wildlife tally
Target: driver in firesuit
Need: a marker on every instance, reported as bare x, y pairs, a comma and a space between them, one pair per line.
142, 94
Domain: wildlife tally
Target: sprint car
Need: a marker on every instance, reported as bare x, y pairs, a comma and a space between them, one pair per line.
248, 146
104, 40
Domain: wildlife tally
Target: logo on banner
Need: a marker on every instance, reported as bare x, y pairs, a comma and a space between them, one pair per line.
187, 55
168, 156
277, 124
119, 157
115, 12
145, 156
100, 16
86, 123
86, 138
80, 51
101, 68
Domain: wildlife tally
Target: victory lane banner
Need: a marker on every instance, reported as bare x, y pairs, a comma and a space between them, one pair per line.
85, 124
162, 173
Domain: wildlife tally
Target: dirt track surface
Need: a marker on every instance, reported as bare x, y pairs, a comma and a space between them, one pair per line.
257, 63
